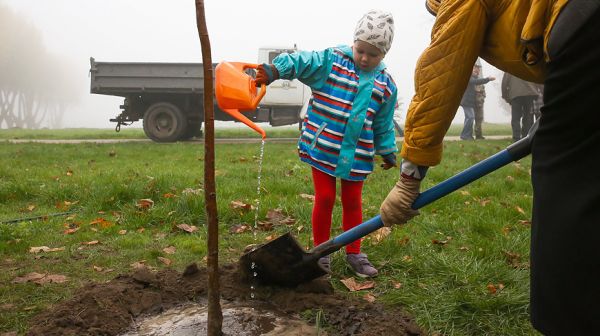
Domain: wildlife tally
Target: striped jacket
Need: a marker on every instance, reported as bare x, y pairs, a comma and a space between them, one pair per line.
349, 118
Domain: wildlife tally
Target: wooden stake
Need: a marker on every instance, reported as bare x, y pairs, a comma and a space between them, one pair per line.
215, 315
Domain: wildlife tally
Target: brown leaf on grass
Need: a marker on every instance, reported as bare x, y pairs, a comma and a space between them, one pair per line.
441, 242
71, 230
403, 241
369, 297
40, 279
169, 195
7, 306
69, 172
465, 193
240, 228
139, 264
525, 222
170, 250
188, 228
506, 230
30, 207
515, 260
97, 268
144, 204
122, 232
190, 191
493, 289
239, 205
379, 235
269, 238
353, 285
102, 222
277, 217
308, 197
510, 178
520, 210
38, 249
165, 261
485, 201
407, 258
396, 284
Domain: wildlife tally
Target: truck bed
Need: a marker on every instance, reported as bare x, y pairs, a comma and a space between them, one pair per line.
126, 78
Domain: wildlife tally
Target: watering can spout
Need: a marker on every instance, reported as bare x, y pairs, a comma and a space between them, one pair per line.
236, 91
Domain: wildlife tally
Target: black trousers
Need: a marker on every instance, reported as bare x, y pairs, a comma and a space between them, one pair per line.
565, 241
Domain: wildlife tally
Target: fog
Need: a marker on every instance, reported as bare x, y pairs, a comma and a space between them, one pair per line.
56, 38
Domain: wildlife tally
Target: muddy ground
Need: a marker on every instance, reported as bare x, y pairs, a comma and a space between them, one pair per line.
109, 308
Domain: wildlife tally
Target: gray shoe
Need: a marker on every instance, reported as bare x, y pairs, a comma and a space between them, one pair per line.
325, 263
361, 265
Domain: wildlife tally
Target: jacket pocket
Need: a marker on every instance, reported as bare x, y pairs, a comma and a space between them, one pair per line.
317, 134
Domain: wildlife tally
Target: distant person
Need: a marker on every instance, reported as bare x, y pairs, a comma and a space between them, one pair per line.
348, 121
479, 102
468, 102
555, 42
520, 95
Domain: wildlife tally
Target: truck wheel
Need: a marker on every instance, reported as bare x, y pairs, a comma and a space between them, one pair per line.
194, 129
164, 122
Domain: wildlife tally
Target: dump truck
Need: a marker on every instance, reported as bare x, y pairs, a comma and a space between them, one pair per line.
169, 97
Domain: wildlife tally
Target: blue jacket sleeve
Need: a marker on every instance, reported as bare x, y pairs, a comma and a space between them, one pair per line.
310, 67
383, 127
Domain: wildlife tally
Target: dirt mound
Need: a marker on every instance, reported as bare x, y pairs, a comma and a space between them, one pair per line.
109, 308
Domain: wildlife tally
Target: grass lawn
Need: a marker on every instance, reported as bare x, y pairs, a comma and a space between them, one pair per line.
232, 132
461, 267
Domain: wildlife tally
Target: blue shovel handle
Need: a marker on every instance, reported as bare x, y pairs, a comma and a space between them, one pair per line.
514, 152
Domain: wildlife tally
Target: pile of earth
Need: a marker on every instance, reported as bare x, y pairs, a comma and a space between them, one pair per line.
109, 308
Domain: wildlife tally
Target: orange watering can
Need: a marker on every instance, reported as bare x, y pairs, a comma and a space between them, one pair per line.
236, 91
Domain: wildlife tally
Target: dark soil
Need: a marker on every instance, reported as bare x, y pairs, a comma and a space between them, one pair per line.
109, 308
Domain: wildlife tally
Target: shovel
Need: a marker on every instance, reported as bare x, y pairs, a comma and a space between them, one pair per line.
283, 261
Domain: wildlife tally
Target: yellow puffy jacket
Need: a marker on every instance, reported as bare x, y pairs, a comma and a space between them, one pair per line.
512, 35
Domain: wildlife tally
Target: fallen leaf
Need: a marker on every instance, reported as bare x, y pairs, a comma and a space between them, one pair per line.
510, 178
169, 195
71, 231
397, 285
520, 210
506, 230
308, 197
239, 205
379, 235
369, 297
40, 279
353, 285
188, 228
403, 241
138, 264
170, 250
30, 207
240, 228
122, 232
69, 172
525, 222
190, 191
38, 249
463, 248
465, 193
165, 261
407, 258
145, 204
278, 217
485, 201
269, 238
93, 242
141, 230
97, 268
102, 222
491, 289
7, 306
441, 242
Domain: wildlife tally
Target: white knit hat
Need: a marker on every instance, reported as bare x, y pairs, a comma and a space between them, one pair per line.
376, 28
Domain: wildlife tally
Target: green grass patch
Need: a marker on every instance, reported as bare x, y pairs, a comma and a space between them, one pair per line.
224, 132
443, 267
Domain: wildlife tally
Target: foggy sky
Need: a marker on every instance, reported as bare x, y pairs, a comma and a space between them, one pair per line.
165, 31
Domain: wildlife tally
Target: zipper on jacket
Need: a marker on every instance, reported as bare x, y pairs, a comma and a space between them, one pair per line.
317, 133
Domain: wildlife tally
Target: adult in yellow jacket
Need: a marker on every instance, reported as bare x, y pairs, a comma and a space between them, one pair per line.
555, 42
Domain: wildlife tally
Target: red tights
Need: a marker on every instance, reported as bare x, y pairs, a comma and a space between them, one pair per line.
325, 193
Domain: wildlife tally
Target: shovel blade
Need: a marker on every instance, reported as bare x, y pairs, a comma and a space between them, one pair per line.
282, 262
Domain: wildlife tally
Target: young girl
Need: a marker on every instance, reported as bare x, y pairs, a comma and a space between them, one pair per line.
349, 120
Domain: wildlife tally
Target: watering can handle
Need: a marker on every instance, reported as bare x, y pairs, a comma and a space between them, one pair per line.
263, 88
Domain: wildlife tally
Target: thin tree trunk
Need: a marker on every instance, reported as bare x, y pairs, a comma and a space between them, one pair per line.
215, 315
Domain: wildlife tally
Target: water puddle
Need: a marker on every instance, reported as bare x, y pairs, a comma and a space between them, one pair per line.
192, 319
